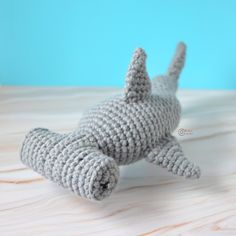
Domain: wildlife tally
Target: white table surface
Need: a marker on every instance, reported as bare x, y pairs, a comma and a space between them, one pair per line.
148, 200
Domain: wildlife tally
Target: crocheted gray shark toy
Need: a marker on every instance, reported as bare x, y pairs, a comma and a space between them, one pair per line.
121, 130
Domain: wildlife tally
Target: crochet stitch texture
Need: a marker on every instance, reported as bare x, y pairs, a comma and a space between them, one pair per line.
121, 130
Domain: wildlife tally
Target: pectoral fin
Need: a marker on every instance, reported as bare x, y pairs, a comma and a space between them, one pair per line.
169, 155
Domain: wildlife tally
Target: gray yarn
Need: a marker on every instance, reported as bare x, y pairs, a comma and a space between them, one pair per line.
119, 131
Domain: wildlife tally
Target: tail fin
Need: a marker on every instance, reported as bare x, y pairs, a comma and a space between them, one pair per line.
178, 61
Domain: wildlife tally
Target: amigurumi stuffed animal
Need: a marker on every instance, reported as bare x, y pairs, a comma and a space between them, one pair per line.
121, 130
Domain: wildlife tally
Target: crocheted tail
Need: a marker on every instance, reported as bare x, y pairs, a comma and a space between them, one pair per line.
178, 61
70, 161
167, 84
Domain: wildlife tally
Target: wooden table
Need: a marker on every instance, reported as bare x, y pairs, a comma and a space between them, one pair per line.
148, 200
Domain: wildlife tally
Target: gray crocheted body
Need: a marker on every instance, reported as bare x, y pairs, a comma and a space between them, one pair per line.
121, 130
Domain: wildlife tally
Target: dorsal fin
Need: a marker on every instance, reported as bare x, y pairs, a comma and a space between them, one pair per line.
138, 84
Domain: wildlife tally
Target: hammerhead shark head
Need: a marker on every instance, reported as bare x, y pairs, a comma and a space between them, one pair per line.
123, 129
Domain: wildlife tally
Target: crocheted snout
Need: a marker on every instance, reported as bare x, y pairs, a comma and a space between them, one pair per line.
67, 161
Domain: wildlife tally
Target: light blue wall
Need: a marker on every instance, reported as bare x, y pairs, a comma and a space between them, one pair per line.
90, 42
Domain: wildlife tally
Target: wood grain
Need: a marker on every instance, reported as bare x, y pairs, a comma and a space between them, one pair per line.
147, 201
